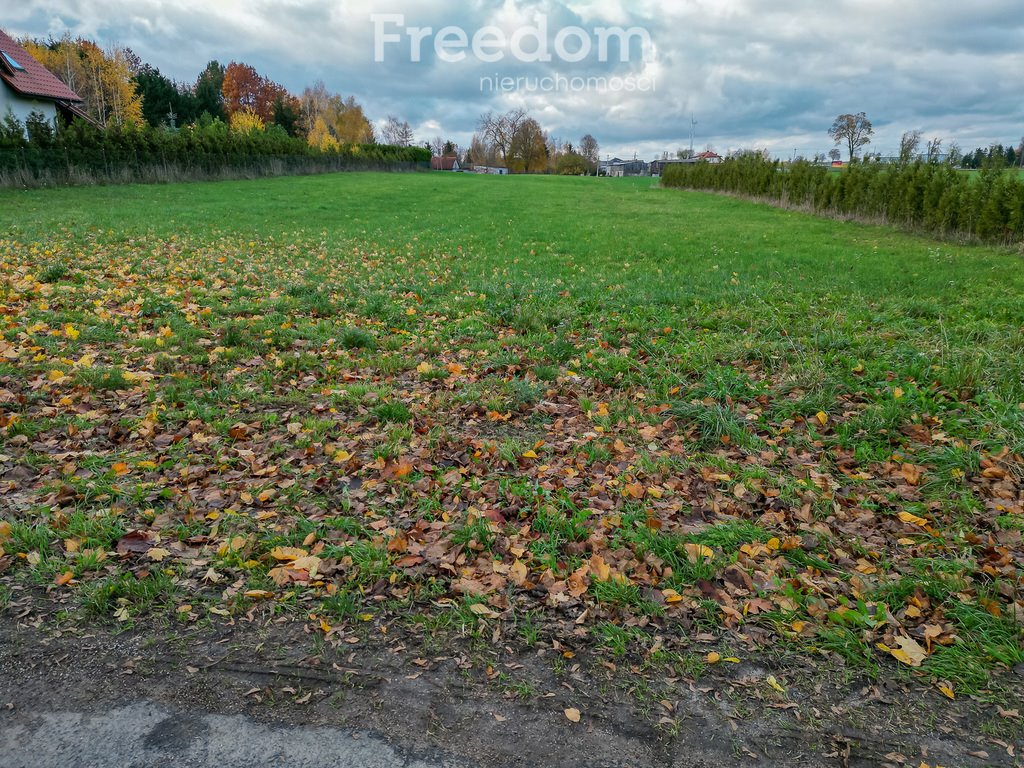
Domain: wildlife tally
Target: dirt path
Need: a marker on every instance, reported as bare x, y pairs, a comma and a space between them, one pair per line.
229, 698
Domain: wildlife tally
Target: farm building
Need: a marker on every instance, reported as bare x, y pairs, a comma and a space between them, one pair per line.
618, 167
26, 86
492, 170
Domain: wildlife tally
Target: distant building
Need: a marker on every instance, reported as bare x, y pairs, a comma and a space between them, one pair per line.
709, 157
491, 170
617, 168
26, 86
447, 163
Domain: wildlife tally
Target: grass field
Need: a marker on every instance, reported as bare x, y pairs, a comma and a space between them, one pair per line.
583, 410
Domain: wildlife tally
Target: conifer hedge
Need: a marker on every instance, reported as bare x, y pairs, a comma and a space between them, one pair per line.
36, 153
937, 198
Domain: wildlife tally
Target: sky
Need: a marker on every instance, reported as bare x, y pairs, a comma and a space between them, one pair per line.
768, 74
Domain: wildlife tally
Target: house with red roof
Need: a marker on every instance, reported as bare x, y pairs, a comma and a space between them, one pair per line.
26, 86
445, 163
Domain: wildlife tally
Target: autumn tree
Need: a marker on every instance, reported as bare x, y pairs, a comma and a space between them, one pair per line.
246, 89
528, 152
104, 78
853, 130
342, 119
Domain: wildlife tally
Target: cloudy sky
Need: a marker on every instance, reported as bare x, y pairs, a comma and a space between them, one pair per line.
753, 73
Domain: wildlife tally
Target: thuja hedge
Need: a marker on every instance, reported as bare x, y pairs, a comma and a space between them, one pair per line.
81, 152
988, 205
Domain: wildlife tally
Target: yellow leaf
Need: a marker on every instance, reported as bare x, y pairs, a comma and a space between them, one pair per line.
731, 660
773, 543
671, 596
120, 468
822, 418
56, 375
518, 573
258, 594
287, 554
775, 684
530, 455
65, 577
424, 367
158, 553
5, 530
695, 552
455, 369
340, 457
600, 569
907, 517
70, 331
798, 626
909, 652
897, 393
946, 691
147, 465
325, 626
714, 657
572, 715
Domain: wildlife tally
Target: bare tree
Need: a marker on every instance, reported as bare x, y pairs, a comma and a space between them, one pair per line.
499, 130
853, 130
590, 149
909, 143
834, 154
934, 150
396, 132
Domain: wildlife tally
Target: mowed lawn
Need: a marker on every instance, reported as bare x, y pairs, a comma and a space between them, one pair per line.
629, 420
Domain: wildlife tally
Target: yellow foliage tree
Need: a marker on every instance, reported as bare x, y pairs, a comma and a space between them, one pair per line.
321, 138
246, 121
103, 78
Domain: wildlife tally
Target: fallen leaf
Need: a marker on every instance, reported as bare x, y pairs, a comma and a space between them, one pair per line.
909, 651
572, 715
912, 519
287, 554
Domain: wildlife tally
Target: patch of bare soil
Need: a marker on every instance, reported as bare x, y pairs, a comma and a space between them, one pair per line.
494, 704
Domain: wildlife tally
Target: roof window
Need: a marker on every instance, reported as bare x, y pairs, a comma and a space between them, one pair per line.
11, 62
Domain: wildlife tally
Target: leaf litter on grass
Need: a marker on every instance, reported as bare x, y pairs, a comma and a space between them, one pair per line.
377, 445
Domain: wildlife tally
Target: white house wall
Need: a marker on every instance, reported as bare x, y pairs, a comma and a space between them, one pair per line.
22, 107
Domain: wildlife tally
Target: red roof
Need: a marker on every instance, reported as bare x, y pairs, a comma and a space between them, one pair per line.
27, 76
447, 163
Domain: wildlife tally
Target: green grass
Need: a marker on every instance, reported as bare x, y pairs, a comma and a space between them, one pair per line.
536, 378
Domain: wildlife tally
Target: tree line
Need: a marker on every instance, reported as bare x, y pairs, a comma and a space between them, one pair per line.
516, 141
933, 197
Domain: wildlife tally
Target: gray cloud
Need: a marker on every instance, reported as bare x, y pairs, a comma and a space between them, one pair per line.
770, 73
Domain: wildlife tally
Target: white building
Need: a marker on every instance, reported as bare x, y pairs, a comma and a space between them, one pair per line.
26, 86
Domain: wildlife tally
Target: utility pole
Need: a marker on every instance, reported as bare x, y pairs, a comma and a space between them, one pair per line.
693, 124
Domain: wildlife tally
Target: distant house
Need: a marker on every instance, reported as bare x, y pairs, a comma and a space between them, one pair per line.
447, 163
491, 170
26, 86
709, 157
